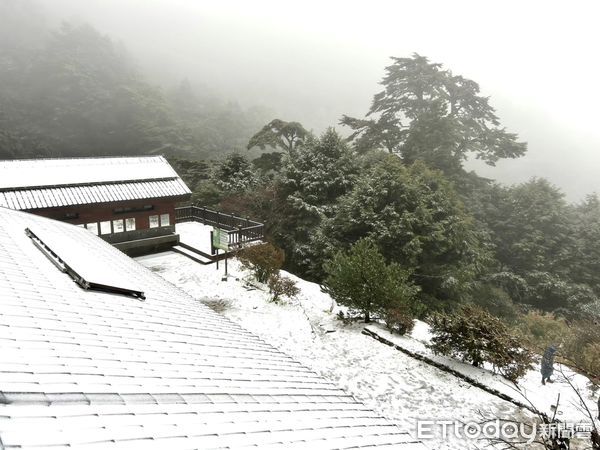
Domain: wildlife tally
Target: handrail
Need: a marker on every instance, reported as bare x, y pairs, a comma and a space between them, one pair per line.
239, 230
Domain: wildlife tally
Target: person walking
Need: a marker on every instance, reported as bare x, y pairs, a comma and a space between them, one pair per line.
548, 364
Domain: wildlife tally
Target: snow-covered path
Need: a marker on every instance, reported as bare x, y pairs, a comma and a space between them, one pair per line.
399, 387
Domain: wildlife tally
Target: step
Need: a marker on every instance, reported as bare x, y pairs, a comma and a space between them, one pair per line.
192, 255
220, 257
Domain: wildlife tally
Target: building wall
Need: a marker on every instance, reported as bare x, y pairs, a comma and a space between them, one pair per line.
152, 218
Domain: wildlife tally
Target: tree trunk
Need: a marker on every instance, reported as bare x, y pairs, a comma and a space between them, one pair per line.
367, 317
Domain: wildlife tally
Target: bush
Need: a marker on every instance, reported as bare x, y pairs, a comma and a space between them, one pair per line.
582, 347
399, 319
263, 260
579, 340
476, 336
539, 330
282, 287
361, 280
591, 359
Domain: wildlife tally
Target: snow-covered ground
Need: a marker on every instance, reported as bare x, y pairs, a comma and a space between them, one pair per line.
401, 388
194, 234
529, 391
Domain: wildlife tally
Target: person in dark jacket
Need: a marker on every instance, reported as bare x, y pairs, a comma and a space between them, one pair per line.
548, 364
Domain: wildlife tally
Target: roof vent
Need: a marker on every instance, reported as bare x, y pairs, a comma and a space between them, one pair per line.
64, 253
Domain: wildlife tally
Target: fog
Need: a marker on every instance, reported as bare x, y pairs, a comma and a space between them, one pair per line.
314, 61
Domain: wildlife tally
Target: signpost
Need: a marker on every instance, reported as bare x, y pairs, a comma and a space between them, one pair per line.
220, 240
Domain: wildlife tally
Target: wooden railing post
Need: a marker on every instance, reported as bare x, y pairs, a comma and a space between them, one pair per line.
241, 229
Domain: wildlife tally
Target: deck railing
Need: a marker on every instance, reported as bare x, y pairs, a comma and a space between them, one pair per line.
240, 230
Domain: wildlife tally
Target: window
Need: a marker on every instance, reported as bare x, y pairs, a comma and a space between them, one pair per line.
153, 221
93, 227
164, 220
105, 227
118, 226
130, 224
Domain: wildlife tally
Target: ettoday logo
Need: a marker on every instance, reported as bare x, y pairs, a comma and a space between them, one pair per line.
523, 433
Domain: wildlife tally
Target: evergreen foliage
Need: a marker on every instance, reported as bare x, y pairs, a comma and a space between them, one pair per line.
279, 134
361, 280
313, 179
418, 221
426, 113
543, 247
234, 174
75, 92
477, 337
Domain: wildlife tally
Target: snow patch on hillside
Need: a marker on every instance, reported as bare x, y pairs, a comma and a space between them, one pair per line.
396, 385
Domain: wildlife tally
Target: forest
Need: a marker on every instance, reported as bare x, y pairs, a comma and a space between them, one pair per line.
389, 187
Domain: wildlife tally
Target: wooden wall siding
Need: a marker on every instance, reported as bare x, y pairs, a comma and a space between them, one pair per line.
103, 212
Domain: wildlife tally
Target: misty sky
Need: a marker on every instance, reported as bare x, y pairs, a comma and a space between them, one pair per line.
313, 61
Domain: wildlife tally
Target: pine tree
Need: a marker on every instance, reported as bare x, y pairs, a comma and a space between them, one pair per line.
234, 174
418, 221
314, 177
361, 280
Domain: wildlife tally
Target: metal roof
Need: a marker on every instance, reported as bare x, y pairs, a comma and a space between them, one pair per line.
48, 183
30, 199
20, 173
99, 370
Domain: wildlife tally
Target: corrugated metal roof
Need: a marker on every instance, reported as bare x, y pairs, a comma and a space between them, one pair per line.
84, 195
75, 171
49, 183
97, 370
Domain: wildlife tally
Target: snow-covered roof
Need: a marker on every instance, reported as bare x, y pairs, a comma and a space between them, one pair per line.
46, 183
98, 370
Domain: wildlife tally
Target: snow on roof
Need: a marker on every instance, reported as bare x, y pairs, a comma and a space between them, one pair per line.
47, 183
99, 370
30, 173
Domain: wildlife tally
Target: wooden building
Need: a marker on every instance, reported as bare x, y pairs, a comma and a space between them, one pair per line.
128, 201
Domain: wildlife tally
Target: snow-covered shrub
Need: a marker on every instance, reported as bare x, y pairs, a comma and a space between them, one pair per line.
477, 337
235, 174
263, 260
282, 287
361, 280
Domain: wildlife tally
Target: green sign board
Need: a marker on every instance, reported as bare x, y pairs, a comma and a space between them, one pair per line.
220, 239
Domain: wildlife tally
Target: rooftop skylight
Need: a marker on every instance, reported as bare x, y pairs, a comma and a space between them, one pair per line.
65, 253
